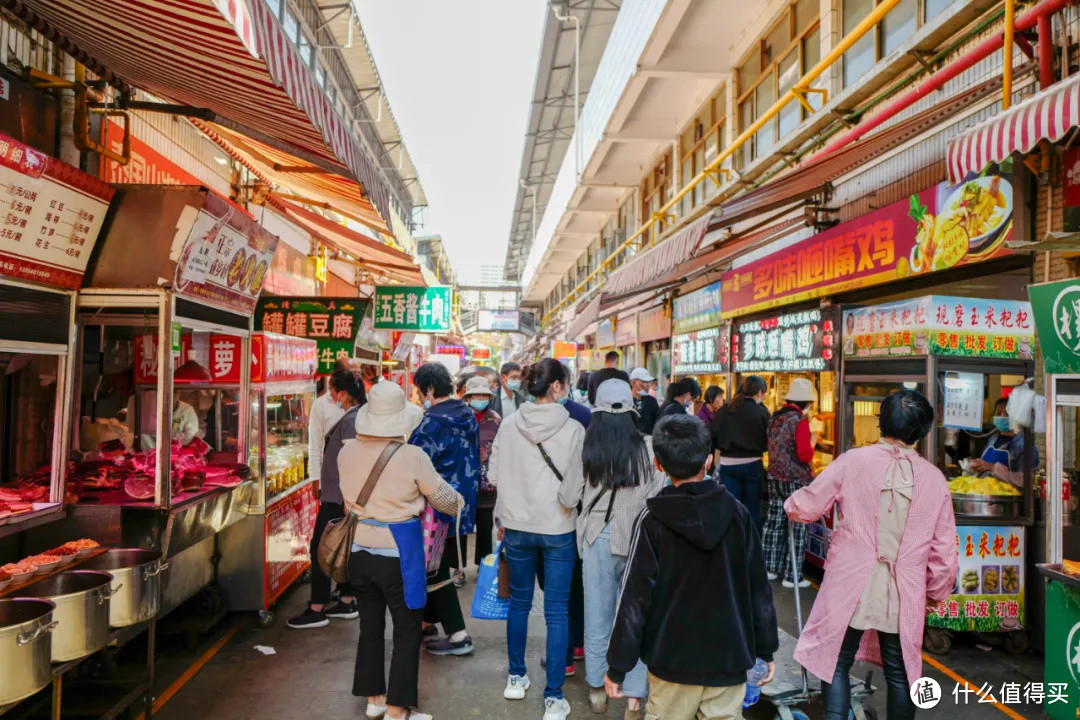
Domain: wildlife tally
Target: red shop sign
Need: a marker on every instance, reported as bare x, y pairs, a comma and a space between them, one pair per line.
279, 358
226, 354
146, 357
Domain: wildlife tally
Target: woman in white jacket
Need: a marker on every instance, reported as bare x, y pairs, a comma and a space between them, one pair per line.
536, 465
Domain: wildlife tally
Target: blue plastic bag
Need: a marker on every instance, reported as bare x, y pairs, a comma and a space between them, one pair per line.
486, 604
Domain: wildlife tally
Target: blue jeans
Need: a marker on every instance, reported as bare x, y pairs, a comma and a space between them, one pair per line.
603, 575
557, 553
745, 482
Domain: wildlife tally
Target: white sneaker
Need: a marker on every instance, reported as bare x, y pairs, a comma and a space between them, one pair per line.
772, 576
516, 685
804, 583
556, 709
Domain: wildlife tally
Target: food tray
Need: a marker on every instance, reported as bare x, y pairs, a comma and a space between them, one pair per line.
988, 506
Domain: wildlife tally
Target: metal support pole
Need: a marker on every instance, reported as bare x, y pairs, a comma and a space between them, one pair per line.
1007, 74
577, 85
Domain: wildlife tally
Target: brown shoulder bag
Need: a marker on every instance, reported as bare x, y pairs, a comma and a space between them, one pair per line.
336, 542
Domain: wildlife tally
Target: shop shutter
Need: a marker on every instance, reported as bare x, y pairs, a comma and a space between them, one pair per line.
205, 313
34, 315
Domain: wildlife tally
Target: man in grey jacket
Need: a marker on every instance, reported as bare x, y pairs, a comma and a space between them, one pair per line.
509, 397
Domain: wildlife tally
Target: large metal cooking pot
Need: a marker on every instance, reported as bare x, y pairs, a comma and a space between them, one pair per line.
82, 611
25, 651
136, 583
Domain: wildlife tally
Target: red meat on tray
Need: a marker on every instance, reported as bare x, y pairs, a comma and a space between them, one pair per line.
9, 495
140, 486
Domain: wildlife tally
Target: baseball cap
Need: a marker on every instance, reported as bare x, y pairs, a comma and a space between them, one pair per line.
641, 374
614, 396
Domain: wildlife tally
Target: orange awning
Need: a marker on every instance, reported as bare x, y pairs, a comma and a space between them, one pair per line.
379, 259
297, 177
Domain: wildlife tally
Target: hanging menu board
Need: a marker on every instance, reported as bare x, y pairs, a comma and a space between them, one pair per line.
226, 257
797, 342
50, 216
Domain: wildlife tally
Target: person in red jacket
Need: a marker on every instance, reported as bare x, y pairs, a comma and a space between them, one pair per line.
791, 452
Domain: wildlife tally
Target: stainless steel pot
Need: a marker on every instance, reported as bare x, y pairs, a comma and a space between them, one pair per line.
136, 583
82, 611
1007, 507
25, 651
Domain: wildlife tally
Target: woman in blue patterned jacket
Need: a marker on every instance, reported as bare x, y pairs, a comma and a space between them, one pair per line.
450, 435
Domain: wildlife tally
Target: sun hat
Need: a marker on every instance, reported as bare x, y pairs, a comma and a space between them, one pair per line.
801, 390
477, 385
614, 396
641, 374
385, 414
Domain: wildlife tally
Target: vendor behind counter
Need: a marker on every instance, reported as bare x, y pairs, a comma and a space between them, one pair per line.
1002, 455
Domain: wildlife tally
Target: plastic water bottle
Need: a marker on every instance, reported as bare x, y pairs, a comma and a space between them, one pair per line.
754, 676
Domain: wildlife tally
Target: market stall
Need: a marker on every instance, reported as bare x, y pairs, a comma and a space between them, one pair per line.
781, 348
266, 552
654, 334
700, 342
164, 326
966, 355
52, 216
1055, 307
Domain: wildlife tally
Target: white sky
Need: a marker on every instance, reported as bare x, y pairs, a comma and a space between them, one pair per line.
459, 76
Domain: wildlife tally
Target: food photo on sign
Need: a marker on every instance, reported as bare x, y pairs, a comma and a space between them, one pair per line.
942, 227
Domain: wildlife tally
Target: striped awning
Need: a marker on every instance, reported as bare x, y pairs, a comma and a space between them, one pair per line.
377, 258
230, 57
1047, 115
657, 262
290, 174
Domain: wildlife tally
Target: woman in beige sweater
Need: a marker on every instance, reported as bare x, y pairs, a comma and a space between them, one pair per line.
375, 567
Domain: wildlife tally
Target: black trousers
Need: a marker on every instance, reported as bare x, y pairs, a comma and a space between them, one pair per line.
443, 606
837, 694
485, 524
320, 583
378, 585
577, 608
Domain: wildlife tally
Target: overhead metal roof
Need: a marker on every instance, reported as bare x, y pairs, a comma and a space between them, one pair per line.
551, 119
339, 19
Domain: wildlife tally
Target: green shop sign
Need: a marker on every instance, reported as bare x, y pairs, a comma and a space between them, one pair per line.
414, 309
1056, 307
332, 322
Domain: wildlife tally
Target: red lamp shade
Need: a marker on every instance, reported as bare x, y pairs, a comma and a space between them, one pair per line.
192, 372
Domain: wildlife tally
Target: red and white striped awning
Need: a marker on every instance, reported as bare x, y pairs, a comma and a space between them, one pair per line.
1047, 115
642, 271
228, 56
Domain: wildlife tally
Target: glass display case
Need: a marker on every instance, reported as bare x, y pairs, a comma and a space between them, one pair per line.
280, 436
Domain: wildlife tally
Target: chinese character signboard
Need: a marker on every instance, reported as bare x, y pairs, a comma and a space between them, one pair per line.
561, 349
626, 331
226, 257
50, 216
458, 350
654, 324
498, 320
798, 342
417, 309
147, 165
939, 228
481, 353
1070, 163
280, 358
1056, 307
332, 322
146, 355
703, 352
696, 310
989, 592
940, 325
963, 401
226, 352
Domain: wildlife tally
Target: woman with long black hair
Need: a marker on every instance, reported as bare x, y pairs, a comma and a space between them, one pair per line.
618, 476
741, 434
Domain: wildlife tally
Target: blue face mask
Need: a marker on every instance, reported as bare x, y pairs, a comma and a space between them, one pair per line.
1001, 423
513, 385
562, 400
427, 404
479, 405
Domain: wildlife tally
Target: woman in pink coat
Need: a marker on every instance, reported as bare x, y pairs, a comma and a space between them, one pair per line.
892, 555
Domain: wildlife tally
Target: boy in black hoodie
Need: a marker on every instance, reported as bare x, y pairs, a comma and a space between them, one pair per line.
695, 604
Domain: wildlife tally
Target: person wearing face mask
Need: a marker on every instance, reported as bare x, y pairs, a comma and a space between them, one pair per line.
678, 399
1003, 456
450, 435
741, 434
536, 464
347, 392
791, 452
478, 394
509, 396
648, 409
